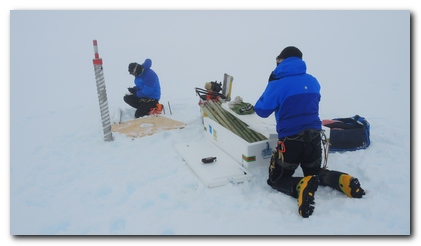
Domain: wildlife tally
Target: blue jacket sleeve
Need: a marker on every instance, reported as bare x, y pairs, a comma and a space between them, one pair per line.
268, 102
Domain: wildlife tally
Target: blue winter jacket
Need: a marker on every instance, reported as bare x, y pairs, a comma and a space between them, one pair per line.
294, 96
147, 82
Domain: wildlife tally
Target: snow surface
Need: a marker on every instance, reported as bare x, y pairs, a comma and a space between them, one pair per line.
65, 180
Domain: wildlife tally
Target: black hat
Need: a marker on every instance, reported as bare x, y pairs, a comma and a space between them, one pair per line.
289, 52
135, 68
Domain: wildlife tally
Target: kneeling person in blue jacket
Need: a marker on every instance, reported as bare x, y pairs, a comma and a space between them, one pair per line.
294, 96
146, 93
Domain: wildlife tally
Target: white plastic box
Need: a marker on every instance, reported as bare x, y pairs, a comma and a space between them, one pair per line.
234, 155
237, 159
244, 153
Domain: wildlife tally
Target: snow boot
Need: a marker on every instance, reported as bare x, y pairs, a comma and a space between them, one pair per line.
157, 110
350, 186
306, 188
343, 182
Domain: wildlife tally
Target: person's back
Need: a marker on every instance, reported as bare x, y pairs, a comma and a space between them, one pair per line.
294, 96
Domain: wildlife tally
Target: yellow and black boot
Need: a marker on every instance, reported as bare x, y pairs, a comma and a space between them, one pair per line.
349, 185
306, 188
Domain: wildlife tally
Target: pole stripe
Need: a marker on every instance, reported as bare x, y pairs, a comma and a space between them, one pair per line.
97, 60
102, 95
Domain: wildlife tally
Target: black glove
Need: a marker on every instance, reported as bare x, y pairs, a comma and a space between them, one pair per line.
132, 90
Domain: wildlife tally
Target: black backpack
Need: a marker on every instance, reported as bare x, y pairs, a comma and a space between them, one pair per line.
347, 134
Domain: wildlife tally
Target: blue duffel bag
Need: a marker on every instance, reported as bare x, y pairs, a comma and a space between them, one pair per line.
347, 134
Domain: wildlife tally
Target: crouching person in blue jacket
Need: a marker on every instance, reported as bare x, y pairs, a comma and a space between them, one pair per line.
145, 95
294, 96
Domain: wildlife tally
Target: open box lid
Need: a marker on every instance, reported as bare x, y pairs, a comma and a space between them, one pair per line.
220, 172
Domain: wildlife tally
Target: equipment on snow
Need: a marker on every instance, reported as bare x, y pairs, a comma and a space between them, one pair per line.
213, 89
169, 106
208, 160
348, 134
213, 86
102, 95
117, 116
214, 110
241, 107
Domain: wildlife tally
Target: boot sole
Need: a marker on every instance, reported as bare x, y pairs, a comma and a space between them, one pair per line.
306, 189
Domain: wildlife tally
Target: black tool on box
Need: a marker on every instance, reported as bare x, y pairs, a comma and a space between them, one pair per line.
208, 160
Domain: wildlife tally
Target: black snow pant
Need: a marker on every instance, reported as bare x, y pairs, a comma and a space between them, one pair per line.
142, 105
305, 150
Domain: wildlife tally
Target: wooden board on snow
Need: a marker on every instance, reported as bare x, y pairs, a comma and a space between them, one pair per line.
146, 126
223, 171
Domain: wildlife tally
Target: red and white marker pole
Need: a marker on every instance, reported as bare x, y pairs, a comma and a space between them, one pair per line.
102, 95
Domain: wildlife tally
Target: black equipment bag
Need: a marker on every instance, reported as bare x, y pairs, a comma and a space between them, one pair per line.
347, 134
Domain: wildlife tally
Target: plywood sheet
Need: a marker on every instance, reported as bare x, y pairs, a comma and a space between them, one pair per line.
146, 126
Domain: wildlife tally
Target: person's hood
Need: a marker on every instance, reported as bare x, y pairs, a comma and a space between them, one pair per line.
147, 63
290, 66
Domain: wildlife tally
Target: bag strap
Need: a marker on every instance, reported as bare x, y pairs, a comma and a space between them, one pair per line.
326, 145
362, 121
